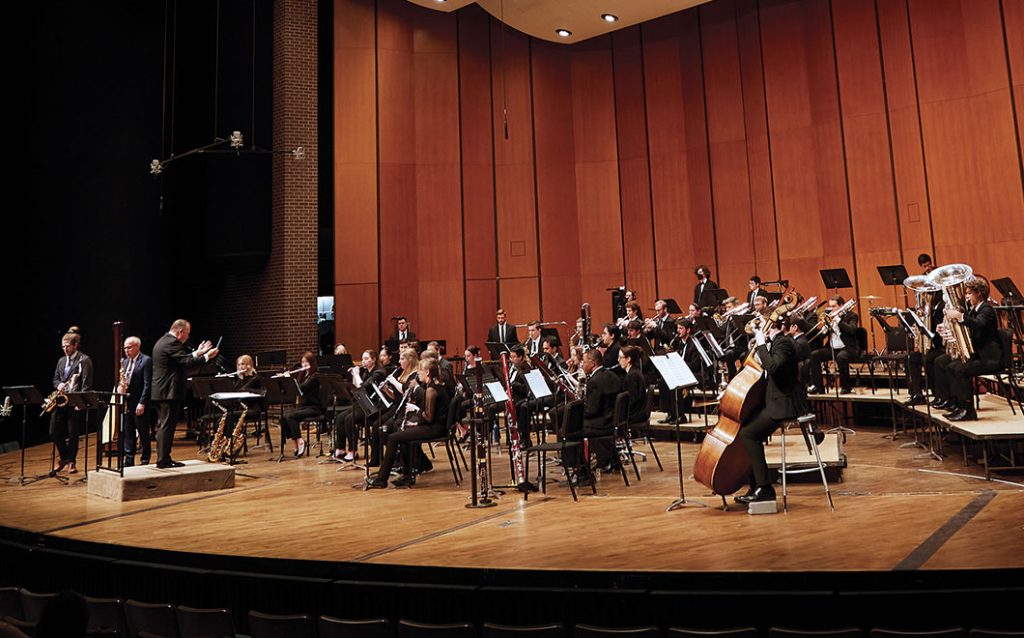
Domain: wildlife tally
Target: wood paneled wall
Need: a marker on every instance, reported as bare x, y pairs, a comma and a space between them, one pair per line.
478, 168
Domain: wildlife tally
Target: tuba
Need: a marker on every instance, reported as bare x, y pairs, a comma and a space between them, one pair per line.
951, 279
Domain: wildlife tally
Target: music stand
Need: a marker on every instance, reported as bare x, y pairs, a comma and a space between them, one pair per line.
672, 306
894, 275
335, 362
677, 375
497, 347
551, 333
1011, 295
281, 391
836, 279
272, 359
24, 395
336, 388
391, 345
87, 401
712, 297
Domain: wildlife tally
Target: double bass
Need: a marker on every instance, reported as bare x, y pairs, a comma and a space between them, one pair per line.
722, 463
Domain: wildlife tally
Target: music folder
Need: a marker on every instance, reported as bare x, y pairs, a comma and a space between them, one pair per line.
497, 391
538, 384
674, 371
892, 275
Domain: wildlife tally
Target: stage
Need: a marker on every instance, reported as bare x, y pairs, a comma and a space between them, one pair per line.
894, 511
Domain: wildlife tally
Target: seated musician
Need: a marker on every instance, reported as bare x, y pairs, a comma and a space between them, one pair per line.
633, 313
733, 339
602, 387
308, 404
246, 380
930, 306
670, 400
438, 349
517, 368
553, 356
532, 343
447, 376
384, 361
635, 384
346, 435
610, 337
796, 327
425, 417
784, 399
575, 361
397, 383
952, 376
661, 327
841, 334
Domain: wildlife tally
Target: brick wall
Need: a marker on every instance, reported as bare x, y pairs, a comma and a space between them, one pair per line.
276, 309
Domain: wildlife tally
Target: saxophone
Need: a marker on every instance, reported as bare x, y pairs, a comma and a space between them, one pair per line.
59, 397
238, 434
216, 451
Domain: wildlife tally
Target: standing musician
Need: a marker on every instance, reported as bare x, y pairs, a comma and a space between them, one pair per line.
610, 345
347, 444
952, 376
755, 289
661, 328
933, 305
784, 399
308, 406
427, 419
402, 331
137, 369
171, 357
841, 337
681, 344
502, 332
532, 344
703, 282
72, 374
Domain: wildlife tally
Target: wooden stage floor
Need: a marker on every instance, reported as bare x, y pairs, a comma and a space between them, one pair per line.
894, 511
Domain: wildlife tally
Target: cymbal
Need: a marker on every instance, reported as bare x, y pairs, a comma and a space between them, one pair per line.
872, 297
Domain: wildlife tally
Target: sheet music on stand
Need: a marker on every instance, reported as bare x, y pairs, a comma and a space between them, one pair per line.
497, 391
715, 346
702, 352
538, 384
674, 370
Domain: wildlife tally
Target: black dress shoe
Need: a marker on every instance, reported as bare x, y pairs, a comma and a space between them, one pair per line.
373, 463
963, 415
378, 484
163, 465
938, 403
812, 389
404, 481
742, 498
951, 407
916, 399
762, 493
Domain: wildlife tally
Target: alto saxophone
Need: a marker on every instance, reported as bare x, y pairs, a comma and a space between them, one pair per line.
216, 451
59, 397
238, 434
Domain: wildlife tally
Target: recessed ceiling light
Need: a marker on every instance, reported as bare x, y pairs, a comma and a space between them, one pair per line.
607, 17
565, 33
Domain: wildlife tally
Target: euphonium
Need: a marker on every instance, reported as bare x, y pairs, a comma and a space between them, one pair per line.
951, 278
924, 288
216, 451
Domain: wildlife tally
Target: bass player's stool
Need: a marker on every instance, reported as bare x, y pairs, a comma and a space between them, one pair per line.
806, 424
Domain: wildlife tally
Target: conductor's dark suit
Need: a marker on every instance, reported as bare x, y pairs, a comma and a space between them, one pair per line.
171, 358
140, 380
785, 398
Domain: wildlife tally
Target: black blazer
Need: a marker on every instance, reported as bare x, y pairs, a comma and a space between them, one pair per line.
171, 358
520, 387
661, 334
140, 385
602, 388
984, 329
511, 336
310, 387
635, 384
610, 358
81, 364
409, 336
847, 332
707, 285
785, 397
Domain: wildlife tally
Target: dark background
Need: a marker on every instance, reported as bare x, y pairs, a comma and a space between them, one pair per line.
94, 238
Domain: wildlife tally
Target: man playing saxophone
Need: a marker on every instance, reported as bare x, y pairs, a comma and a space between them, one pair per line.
137, 373
73, 374
953, 376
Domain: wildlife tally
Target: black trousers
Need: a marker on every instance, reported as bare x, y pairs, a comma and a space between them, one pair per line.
168, 413
142, 427
292, 418
752, 436
66, 425
670, 401
347, 437
928, 359
406, 437
603, 449
823, 355
953, 379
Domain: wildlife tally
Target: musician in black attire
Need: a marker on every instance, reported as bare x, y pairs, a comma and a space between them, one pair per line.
602, 387
610, 336
428, 418
137, 371
635, 384
952, 376
171, 358
384, 361
347, 444
517, 368
704, 282
402, 331
755, 289
933, 305
684, 346
796, 327
74, 374
310, 405
841, 336
553, 356
784, 399
501, 332
661, 328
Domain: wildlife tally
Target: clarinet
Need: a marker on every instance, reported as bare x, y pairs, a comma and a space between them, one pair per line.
513, 430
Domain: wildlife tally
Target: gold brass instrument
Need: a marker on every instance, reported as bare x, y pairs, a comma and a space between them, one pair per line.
825, 319
951, 279
238, 434
216, 451
59, 397
924, 288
